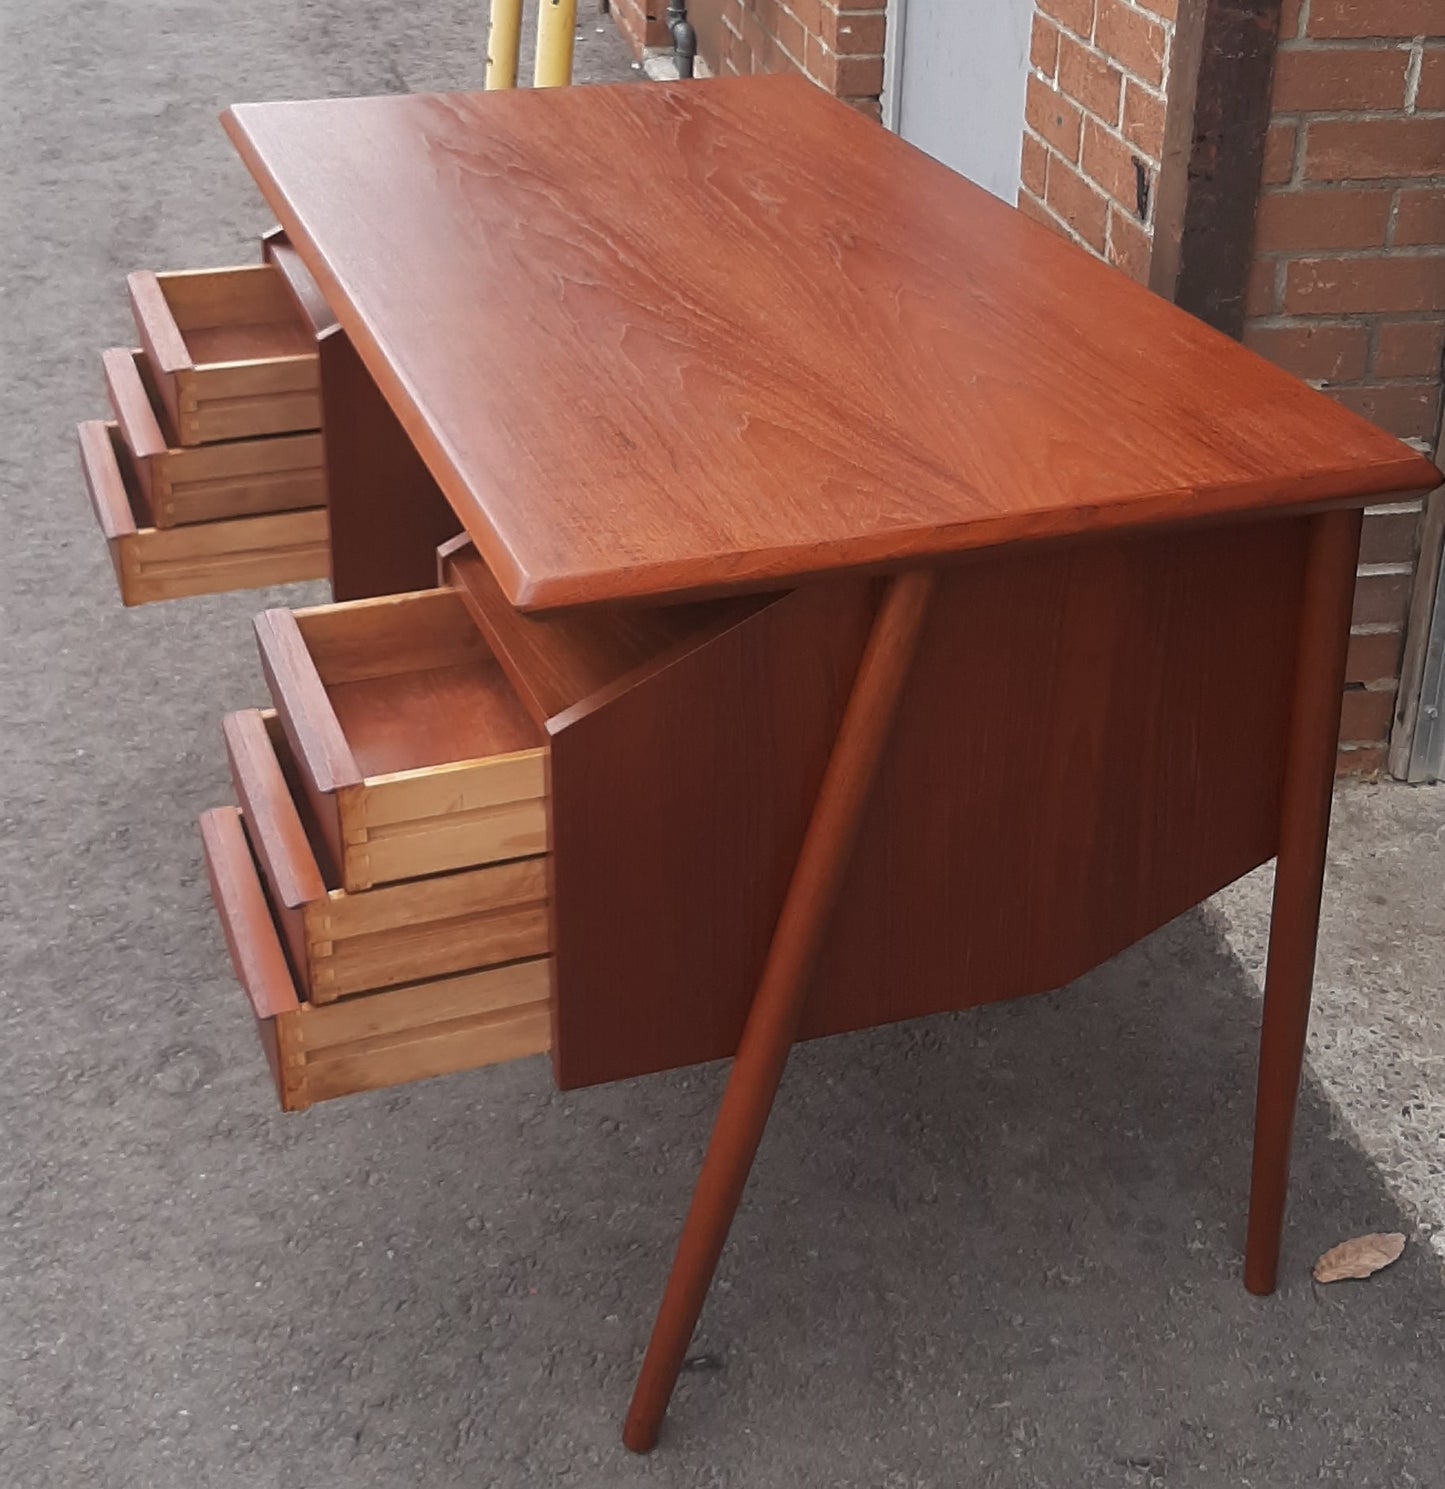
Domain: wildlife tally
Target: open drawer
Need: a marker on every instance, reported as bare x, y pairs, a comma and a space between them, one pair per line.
207, 483
229, 355
153, 563
340, 944
376, 1040
414, 753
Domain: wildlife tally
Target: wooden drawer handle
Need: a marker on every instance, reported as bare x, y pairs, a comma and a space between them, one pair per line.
246, 922
131, 401
104, 483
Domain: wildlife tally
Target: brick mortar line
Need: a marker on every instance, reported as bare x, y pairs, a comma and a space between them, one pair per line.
1414, 68
1376, 44
1336, 320
1408, 252
1362, 183
1351, 385
846, 56
1165, 25
1401, 115
1393, 184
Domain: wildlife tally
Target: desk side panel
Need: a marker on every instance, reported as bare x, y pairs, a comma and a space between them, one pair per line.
1091, 741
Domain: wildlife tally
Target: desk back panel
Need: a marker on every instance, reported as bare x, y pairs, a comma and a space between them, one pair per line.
388, 515
1091, 741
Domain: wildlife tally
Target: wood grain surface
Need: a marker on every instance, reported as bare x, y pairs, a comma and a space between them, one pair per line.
1091, 741
207, 483
388, 516
374, 1040
1324, 633
341, 944
555, 661
672, 340
201, 558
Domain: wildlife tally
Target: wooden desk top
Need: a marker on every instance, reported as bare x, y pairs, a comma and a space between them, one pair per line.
666, 340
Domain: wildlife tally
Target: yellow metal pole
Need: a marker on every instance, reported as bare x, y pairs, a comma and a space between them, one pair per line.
556, 28
504, 41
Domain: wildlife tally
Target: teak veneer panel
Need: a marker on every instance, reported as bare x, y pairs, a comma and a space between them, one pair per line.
389, 515
554, 661
1091, 740
340, 944
724, 335
229, 356
378, 1040
412, 749
199, 558
305, 293
207, 483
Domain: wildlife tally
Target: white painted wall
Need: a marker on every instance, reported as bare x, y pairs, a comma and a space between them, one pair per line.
954, 79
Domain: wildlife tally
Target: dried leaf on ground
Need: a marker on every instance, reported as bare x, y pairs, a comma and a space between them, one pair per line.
1362, 1257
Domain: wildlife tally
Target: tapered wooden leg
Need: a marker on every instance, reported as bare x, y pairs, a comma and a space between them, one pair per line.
773, 1019
1299, 876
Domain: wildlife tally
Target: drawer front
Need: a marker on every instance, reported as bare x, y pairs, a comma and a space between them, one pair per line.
201, 558
208, 483
415, 755
340, 944
373, 1041
228, 353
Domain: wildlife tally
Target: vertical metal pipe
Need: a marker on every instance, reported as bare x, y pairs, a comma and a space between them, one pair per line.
556, 30
504, 43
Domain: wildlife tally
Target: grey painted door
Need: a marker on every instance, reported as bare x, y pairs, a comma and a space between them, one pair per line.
956, 73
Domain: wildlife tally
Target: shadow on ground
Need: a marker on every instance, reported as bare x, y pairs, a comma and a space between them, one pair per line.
1003, 1244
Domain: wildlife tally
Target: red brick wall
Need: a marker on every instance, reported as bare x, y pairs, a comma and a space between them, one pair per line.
837, 43
641, 22
1348, 286
1094, 123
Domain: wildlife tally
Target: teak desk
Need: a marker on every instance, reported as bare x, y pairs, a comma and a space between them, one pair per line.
918, 611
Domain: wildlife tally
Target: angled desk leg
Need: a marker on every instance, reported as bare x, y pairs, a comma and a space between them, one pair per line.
773, 1019
1334, 544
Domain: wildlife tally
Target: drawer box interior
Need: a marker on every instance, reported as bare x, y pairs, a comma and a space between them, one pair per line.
557, 661
205, 483
202, 558
375, 1040
230, 356
412, 749
339, 944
